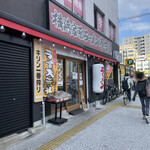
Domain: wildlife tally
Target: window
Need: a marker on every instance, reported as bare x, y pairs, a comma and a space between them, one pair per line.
111, 31
130, 51
75, 5
130, 55
98, 19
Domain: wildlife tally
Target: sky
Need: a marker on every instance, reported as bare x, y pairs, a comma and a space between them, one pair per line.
137, 26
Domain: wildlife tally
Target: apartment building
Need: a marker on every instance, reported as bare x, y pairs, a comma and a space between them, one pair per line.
142, 43
128, 52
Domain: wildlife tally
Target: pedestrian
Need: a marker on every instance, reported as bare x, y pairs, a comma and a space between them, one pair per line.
141, 90
127, 85
134, 82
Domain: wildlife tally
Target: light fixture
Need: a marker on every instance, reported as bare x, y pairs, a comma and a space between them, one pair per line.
80, 52
23, 35
65, 47
73, 51
40, 40
84, 55
88, 55
53, 44
94, 57
2, 28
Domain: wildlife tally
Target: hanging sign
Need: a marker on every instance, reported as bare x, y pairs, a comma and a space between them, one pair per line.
50, 78
68, 26
38, 84
98, 78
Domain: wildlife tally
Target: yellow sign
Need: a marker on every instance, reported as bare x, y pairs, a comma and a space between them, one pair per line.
108, 72
50, 78
129, 62
38, 84
148, 56
122, 69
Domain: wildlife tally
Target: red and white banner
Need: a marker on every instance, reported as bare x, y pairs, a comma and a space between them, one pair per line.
78, 7
112, 32
68, 3
99, 22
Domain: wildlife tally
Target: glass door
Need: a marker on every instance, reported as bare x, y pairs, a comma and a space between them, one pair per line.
72, 81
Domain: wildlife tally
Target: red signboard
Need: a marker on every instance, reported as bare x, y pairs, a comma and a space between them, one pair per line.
111, 32
65, 24
78, 7
99, 22
68, 3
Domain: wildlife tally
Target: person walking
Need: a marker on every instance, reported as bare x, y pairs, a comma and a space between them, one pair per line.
127, 85
141, 90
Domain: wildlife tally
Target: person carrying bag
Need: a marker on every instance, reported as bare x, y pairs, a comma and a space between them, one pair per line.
143, 90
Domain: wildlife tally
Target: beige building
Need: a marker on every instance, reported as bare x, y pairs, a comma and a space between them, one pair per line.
142, 43
128, 52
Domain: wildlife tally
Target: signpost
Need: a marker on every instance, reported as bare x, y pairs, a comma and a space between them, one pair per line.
129, 62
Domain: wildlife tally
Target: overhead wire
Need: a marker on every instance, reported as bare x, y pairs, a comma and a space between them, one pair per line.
133, 17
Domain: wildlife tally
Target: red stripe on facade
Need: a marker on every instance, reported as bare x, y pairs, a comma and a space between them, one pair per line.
99, 56
27, 30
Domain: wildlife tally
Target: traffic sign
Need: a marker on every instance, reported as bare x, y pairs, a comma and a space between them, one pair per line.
129, 62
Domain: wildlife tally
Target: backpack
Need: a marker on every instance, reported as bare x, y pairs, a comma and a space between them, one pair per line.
125, 84
148, 88
142, 88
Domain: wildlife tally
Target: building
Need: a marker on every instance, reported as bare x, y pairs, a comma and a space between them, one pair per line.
128, 52
142, 44
48, 46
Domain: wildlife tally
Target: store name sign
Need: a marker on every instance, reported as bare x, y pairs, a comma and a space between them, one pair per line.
63, 23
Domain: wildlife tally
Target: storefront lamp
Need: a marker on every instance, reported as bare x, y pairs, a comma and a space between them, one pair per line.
40, 40
53, 44
88, 55
73, 51
2, 28
94, 57
65, 47
80, 52
23, 35
83, 55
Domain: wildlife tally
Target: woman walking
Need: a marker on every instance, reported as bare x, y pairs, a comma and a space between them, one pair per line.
141, 90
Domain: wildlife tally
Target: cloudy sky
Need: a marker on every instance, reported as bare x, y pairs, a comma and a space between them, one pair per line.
137, 26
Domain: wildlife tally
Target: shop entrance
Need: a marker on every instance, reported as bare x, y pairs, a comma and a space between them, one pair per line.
71, 79
15, 88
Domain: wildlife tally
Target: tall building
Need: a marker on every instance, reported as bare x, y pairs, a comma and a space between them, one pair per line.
128, 52
142, 43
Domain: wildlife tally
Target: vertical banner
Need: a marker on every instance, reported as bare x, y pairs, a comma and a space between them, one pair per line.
78, 7
108, 72
38, 82
68, 4
50, 78
99, 22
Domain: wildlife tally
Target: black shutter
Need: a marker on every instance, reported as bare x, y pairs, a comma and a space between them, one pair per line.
15, 88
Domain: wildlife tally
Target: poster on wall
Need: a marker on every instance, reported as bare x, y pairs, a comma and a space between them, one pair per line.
68, 4
99, 22
78, 7
50, 78
38, 84
60, 74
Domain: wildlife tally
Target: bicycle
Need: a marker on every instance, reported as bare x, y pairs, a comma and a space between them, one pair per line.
107, 95
125, 98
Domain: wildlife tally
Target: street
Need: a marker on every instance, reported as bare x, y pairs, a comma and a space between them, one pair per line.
113, 127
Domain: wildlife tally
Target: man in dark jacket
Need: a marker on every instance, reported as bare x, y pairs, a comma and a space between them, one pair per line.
141, 90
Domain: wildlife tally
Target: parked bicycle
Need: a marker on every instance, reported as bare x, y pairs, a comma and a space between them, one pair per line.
107, 95
115, 92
